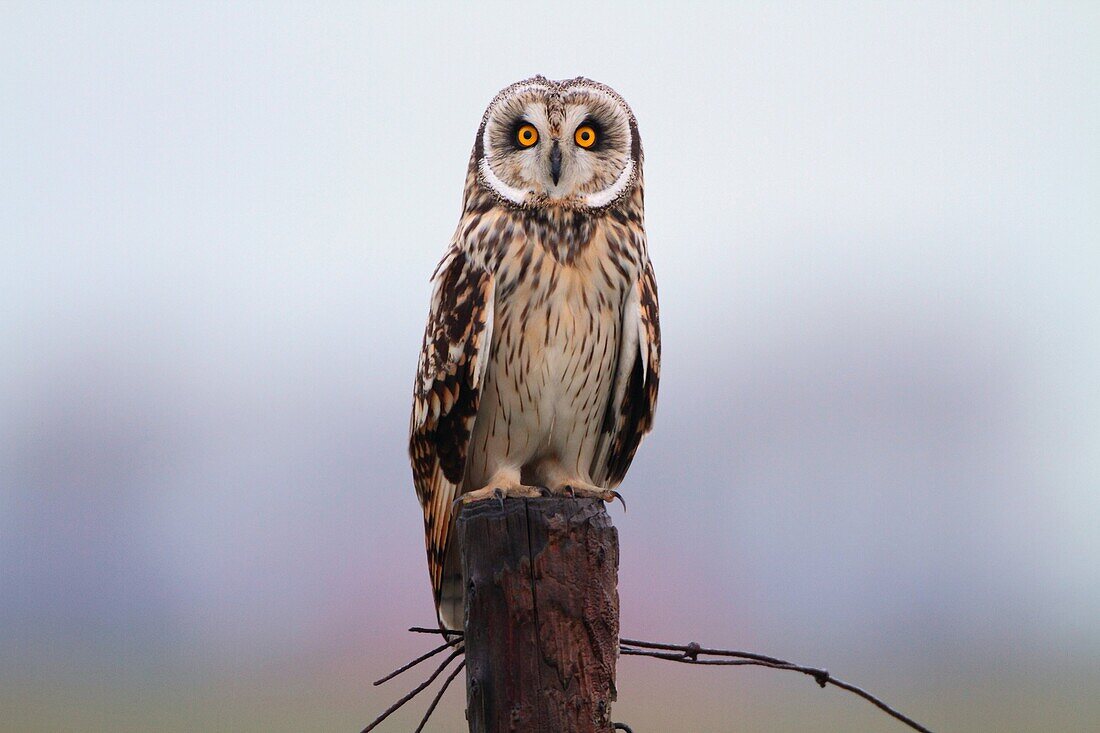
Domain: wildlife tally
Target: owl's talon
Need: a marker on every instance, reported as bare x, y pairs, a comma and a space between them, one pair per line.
498, 494
582, 490
544, 491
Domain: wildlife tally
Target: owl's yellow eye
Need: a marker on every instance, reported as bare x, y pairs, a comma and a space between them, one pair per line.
585, 136
527, 135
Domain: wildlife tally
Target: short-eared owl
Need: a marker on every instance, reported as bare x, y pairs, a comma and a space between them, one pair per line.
541, 357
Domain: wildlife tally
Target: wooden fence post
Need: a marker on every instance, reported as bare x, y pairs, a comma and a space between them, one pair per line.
542, 615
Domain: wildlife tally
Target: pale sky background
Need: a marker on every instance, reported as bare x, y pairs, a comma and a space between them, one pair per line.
877, 237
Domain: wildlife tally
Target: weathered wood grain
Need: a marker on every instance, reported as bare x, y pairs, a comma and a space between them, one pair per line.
542, 615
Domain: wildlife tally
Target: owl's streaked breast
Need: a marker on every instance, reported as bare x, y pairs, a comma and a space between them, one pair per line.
553, 357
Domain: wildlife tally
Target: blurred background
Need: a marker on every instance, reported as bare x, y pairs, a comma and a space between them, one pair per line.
876, 232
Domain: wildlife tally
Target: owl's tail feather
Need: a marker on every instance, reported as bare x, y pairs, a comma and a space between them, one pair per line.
451, 589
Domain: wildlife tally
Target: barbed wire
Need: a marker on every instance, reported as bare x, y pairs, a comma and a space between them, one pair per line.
690, 653
682, 653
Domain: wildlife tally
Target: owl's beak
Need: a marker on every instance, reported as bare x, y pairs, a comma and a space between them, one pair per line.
555, 162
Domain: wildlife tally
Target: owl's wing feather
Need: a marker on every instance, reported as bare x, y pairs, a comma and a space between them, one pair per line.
447, 393
633, 399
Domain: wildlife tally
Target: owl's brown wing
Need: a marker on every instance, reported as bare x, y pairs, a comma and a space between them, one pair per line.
447, 393
633, 401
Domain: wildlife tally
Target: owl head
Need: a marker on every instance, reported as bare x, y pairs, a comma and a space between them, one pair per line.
571, 144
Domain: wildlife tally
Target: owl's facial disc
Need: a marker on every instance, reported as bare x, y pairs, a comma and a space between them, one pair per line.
571, 143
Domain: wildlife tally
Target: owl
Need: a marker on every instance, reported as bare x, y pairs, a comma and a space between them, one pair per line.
541, 358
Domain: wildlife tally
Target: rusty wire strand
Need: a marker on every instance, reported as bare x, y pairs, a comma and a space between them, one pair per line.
690, 653
415, 691
439, 696
442, 632
694, 649
418, 660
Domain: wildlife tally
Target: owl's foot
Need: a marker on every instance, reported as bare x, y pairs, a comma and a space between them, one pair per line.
501, 490
582, 490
